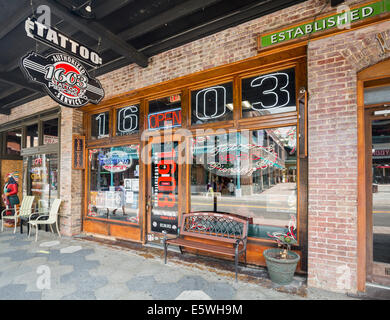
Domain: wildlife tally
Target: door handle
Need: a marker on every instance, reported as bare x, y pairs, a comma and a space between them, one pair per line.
148, 204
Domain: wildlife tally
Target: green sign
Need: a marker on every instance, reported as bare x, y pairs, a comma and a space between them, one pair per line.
338, 20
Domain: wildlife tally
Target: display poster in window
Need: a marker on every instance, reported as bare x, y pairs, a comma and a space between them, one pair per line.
164, 188
78, 152
127, 184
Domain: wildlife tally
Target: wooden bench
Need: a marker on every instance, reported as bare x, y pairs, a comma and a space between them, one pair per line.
228, 233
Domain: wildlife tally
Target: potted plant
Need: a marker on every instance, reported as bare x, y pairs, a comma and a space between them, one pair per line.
282, 262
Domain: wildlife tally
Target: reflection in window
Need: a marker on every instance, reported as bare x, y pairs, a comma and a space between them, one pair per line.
14, 142
268, 94
32, 136
41, 179
50, 131
381, 190
212, 104
114, 183
250, 173
100, 125
377, 95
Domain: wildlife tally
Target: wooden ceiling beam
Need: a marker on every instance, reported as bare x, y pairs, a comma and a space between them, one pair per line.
165, 17
14, 79
237, 17
6, 107
11, 23
99, 32
109, 7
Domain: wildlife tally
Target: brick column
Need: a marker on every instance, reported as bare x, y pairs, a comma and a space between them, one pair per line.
333, 64
71, 181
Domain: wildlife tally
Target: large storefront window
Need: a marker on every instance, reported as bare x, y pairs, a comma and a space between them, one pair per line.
251, 173
114, 183
41, 179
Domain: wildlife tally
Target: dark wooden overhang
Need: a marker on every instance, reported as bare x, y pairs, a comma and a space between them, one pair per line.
123, 32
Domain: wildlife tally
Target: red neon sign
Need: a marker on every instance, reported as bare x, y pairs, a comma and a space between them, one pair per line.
165, 119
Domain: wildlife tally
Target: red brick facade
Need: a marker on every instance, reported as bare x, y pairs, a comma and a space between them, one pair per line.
332, 66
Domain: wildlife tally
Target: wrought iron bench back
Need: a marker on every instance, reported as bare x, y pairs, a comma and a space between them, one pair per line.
215, 226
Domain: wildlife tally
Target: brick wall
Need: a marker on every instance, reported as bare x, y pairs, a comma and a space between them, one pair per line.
333, 63
333, 170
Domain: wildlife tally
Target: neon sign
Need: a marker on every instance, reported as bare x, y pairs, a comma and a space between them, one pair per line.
269, 91
205, 111
243, 159
127, 119
164, 119
277, 91
115, 161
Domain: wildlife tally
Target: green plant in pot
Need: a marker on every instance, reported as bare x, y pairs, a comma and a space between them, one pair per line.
282, 262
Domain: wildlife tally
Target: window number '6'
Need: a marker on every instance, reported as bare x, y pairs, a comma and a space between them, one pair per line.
278, 93
127, 116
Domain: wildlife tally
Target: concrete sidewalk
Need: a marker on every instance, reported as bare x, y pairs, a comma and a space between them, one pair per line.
76, 268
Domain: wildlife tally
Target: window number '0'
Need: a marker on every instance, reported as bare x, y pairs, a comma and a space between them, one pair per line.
204, 111
279, 92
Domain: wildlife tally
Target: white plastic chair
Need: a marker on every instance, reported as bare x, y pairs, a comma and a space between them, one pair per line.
52, 218
25, 210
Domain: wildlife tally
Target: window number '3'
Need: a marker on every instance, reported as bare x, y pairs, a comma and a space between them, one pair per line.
279, 94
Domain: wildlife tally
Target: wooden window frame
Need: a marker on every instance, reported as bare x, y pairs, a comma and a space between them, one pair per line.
289, 57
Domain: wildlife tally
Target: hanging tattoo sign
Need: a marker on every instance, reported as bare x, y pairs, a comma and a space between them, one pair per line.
64, 78
54, 38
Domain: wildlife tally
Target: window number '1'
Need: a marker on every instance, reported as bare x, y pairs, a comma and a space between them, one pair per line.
102, 124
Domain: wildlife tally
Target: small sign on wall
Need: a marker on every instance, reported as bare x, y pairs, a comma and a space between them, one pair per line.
78, 153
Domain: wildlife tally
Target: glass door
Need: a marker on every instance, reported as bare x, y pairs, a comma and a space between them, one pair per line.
379, 202
163, 198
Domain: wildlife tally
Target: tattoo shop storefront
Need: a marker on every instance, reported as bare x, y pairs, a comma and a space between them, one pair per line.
241, 137
222, 140
283, 124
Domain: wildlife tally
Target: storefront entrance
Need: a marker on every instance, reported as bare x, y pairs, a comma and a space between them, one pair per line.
379, 196
163, 198
374, 177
